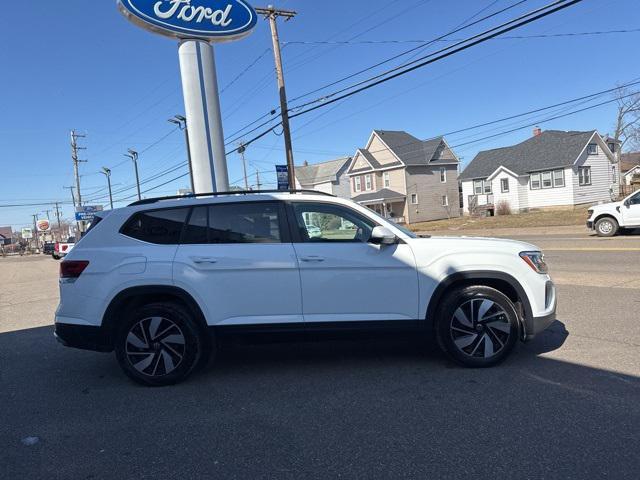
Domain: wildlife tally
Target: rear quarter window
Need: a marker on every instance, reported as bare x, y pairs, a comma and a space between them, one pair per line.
157, 226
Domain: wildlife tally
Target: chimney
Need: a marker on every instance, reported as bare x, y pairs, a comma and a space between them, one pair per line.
536, 131
306, 163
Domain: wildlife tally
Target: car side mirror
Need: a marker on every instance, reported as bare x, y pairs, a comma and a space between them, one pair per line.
627, 203
382, 236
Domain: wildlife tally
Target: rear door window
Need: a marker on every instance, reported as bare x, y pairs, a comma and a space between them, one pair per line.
157, 226
224, 223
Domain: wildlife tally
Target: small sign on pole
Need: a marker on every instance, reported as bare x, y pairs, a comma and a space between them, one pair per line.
282, 174
87, 213
27, 233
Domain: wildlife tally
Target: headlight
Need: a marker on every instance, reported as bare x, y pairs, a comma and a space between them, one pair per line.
536, 261
590, 212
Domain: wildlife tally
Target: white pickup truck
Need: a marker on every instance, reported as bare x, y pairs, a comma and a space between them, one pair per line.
61, 249
607, 219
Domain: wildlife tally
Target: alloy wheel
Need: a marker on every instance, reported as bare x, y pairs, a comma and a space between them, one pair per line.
480, 328
605, 227
155, 346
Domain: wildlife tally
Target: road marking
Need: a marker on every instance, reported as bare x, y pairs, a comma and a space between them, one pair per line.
591, 249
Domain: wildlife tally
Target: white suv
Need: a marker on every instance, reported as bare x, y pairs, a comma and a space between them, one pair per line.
159, 280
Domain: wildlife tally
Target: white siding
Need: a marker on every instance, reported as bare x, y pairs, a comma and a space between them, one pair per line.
601, 180
551, 197
523, 192
511, 197
325, 187
467, 189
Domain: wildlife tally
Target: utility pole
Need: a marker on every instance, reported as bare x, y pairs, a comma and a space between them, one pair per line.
107, 173
241, 150
73, 197
76, 161
35, 230
258, 185
133, 155
59, 236
271, 13
181, 122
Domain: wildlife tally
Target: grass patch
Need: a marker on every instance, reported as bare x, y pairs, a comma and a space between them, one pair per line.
540, 218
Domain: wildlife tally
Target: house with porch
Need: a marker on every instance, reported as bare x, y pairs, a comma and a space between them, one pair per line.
328, 177
405, 179
553, 168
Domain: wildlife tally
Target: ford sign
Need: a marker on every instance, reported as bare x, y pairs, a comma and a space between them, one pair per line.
214, 20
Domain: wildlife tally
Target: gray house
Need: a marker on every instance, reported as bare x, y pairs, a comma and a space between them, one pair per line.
551, 169
329, 177
406, 179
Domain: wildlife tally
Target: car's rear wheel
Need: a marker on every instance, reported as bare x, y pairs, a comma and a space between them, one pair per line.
159, 344
477, 326
607, 227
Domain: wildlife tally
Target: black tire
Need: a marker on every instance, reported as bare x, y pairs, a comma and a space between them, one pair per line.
607, 227
178, 348
471, 339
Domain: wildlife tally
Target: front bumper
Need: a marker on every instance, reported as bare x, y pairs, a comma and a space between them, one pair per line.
589, 224
535, 325
85, 337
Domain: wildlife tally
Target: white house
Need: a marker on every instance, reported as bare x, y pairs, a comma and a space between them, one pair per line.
630, 167
553, 168
328, 177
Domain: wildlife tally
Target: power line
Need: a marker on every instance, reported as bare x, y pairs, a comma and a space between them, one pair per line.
506, 37
243, 72
411, 50
477, 39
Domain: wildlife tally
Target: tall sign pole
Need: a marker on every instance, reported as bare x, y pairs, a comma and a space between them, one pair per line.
272, 13
196, 24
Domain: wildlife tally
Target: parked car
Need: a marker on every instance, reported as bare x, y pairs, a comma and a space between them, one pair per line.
48, 248
158, 280
607, 219
61, 249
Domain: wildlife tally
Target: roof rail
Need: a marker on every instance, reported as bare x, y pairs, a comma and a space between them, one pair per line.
148, 201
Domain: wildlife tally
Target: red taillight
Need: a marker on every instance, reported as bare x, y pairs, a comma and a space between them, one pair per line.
72, 268
56, 247
64, 248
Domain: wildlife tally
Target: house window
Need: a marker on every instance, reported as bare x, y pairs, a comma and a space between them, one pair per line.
535, 181
387, 179
546, 180
592, 149
558, 178
445, 201
584, 176
367, 182
612, 147
487, 186
357, 184
477, 187
504, 185
443, 175
414, 198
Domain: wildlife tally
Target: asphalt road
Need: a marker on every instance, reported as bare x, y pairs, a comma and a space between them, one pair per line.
564, 406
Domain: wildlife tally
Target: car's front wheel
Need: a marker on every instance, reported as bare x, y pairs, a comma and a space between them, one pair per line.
606, 227
159, 344
477, 326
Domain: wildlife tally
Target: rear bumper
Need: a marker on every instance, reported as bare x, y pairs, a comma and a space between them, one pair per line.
84, 337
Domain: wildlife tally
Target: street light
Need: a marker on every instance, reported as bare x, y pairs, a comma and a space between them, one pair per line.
133, 155
181, 122
107, 173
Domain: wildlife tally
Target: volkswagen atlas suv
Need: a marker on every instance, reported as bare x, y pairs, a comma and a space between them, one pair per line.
160, 281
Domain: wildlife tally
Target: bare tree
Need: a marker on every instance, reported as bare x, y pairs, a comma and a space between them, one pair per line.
627, 129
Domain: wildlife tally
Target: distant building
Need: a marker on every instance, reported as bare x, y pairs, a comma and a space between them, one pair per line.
552, 168
630, 167
329, 177
6, 235
405, 179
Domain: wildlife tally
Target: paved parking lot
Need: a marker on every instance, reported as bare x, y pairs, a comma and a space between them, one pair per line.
564, 406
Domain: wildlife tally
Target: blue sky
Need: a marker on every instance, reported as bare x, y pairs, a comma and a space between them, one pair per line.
79, 64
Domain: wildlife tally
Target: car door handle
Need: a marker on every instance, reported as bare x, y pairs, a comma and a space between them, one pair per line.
200, 260
312, 258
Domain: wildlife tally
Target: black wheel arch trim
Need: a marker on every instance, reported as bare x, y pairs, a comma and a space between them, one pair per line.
109, 319
462, 277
